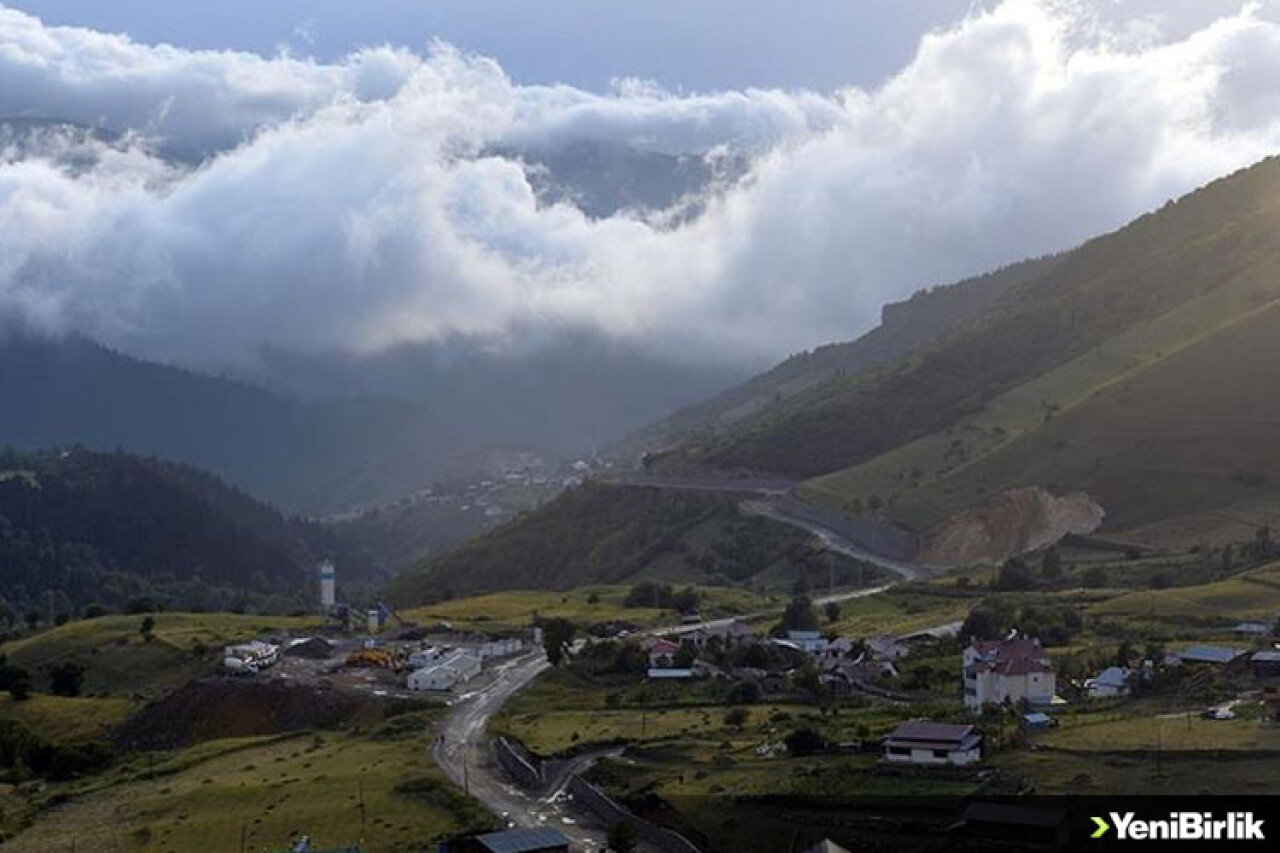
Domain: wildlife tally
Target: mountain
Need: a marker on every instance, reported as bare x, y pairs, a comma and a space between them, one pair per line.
597, 533
603, 178
306, 456
79, 528
1133, 368
904, 326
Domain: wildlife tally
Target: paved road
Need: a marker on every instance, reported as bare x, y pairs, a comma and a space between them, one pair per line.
463, 752
463, 748
874, 541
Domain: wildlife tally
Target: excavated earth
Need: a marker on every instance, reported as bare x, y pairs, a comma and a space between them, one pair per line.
1014, 522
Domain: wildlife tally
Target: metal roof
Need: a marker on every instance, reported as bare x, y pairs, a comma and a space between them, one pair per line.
918, 730
524, 840
1210, 654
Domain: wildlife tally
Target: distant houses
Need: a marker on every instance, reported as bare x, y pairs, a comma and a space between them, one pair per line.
924, 743
1012, 670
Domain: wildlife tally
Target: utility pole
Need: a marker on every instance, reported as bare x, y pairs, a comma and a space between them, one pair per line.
466, 774
360, 787
244, 836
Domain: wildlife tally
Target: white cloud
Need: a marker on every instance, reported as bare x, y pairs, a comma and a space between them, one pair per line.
353, 206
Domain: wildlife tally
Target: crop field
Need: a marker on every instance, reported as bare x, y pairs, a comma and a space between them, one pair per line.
119, 661
338, 789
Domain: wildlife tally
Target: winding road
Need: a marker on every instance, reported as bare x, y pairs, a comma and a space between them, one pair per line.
463, 751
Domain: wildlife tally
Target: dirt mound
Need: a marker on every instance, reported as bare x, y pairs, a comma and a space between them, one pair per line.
226, 707
1011, 523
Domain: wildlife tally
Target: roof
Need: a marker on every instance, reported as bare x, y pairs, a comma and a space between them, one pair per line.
1112, 676
1210, 654
662, 647
1252, 628
523, 840
804, 635
920, 730
1271, 656
1036, 718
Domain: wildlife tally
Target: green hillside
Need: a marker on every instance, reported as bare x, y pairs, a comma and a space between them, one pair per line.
603, 534
79, 528
1104, 289
904, 326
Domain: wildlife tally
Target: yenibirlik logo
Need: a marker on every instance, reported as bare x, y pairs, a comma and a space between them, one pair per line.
1181, 826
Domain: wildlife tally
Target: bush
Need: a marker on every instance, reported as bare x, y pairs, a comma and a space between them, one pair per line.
805, 740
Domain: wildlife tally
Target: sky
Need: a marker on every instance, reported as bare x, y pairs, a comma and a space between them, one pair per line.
340, 190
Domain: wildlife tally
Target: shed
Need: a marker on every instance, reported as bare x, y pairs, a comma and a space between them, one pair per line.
432, 678
1112, 681
1218, 655
1037, 721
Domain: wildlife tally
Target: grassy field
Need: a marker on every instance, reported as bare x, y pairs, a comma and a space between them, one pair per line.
1172, 732
119, 662
1142, 422
582, 606
337, 789
61, 718
1252, 595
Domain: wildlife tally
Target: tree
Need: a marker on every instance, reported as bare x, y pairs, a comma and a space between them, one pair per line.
557, 634
685, 656
737, 718
66, 679
1051, 564
799, 615
805, 740
832, 611
1014, 574
148, 628
622, 837
14, 679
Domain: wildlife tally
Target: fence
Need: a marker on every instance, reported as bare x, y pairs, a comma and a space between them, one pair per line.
610, 812
525, 772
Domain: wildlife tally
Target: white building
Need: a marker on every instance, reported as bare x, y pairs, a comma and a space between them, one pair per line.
920, 742
432, 678
1012, 670
464, 665
328, 586
1112, 681
810, 642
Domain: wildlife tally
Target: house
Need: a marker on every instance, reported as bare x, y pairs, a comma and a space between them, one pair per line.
809, 642
1265, 663
729, 634
1111, 682
1012, 670
842, 648
432, 678
886, 647
537, 839
464, 665
921, 742
1252, 629
1215, 655
662, 653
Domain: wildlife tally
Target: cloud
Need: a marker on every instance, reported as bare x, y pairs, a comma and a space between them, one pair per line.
358, 205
